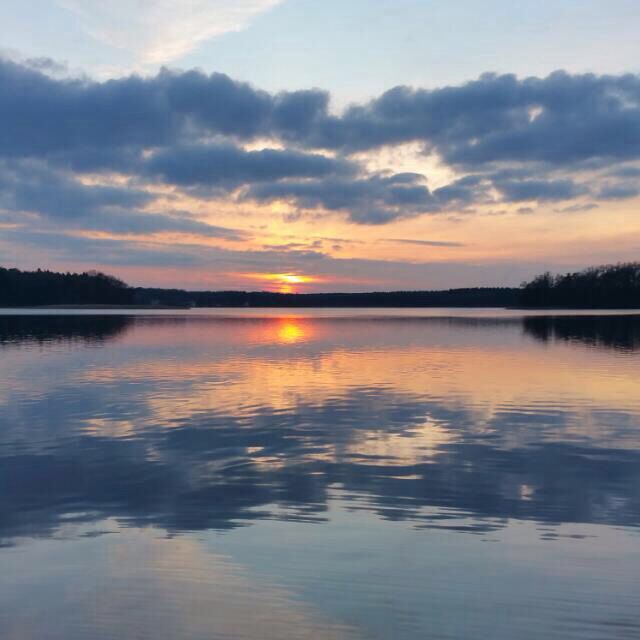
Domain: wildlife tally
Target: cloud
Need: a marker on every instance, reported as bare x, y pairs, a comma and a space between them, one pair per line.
465, 191
539, 190
46, 65
620, 191
42, 115
144, 222
154, 32
82, 250
228, 166
381, 198
578, 208
72, 247
426, 243
507, 140
30, 187
59, 199
376, 199
626, 172
560, 119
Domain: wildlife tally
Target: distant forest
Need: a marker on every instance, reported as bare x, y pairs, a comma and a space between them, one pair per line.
613, 286
480, 297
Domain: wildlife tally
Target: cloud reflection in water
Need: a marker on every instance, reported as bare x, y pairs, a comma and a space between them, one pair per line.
214, 423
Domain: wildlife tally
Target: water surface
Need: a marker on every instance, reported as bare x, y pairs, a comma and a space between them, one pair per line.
330, 474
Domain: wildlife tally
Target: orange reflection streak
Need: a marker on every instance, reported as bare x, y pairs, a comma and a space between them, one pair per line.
292, 331
454, 375
282, 331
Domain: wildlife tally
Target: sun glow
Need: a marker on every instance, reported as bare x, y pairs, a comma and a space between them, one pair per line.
291, 332
292, 279
284, 330
285, 282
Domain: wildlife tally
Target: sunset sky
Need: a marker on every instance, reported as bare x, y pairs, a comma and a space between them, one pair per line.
298, 145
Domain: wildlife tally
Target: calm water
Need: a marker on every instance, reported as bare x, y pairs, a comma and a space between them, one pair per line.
264, 475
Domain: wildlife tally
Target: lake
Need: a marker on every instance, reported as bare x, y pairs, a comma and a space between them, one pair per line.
265, 474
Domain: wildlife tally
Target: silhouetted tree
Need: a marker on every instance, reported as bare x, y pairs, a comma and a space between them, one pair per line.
605, 287
33, 288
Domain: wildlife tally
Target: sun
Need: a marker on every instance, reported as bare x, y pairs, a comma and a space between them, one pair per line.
285, 282
291, 278
288, 281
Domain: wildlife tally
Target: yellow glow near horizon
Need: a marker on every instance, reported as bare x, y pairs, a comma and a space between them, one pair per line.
286, 282
293, 279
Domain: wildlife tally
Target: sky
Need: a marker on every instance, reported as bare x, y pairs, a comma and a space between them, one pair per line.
297, 145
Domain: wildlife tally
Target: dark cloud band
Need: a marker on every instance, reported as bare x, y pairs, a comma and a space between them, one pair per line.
512, 140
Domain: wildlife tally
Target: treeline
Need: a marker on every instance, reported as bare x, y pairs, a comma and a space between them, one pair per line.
35, 288
607, 287
41, 288
479, 297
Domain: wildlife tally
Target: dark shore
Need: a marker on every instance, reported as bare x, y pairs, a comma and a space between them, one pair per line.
133, 307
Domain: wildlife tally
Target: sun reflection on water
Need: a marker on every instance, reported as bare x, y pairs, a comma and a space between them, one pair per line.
291, 331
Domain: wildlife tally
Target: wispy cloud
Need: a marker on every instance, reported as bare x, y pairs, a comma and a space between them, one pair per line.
155, 32
426, 243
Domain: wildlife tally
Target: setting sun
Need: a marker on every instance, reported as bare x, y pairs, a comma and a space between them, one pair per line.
293, 279
285, 282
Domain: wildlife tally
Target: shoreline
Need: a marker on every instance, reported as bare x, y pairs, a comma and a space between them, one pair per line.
107, 307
